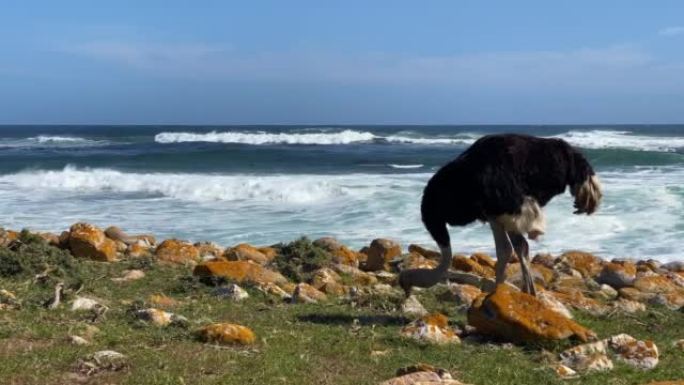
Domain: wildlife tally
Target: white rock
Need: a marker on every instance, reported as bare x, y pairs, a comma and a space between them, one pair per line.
413, 307
564, 372
83, 303
78, 340
554, 304
235, 293
130, 275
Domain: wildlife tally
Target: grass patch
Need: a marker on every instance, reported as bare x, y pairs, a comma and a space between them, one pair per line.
297, 260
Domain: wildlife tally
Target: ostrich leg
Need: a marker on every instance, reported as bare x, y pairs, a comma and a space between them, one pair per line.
504, 250
522, 249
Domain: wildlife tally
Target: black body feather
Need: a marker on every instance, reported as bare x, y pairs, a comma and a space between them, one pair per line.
493, 176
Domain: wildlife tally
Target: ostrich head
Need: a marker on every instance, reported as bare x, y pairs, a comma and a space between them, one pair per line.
587, 195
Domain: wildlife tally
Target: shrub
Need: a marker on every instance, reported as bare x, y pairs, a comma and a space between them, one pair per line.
297, 260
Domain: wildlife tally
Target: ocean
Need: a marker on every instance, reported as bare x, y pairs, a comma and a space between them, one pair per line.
270, 184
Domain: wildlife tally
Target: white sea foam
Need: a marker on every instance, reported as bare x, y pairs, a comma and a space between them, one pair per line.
49, 141
601, 139
594, 139
406, 166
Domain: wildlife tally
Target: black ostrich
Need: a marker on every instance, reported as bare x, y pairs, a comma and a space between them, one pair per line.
504, 180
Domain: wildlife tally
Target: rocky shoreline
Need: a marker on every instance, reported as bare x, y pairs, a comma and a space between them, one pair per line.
325, 270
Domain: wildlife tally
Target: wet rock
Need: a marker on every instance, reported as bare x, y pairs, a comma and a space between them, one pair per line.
233, 292
433, 328
247, 252
176, 251
239, 271
130, 275
341, 253
379, 254
413, 307
461, 294
518, 316
587, 264
88, 241
160, 318
305, 293
618, 274
227, 334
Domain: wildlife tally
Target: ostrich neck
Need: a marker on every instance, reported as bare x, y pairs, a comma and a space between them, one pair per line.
435, 275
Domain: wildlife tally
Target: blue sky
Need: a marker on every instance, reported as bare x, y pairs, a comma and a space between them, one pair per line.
312, 62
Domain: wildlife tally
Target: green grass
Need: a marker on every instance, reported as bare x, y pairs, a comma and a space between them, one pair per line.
330, 343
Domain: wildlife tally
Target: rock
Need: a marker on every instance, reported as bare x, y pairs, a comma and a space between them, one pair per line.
209, 250
544, 259
461, 294
564, 372
413, 307
78, 340
673, 301
246, 252
273, 289
385, 277
465, 264
7, 236
591, 357
655, 284
160, 318
103, 360
116, 234
627, 306
674, 266
84, 304
233, 292
551, 302
358, 277
426, 253
227, 334
650, 265
52, 239
341, 253
485, 260
633, 294
518, 316
239, 271
679, 344
8, 300
380, 253
88, 241
130, 275
618, 275
416, 261
587, 264
540, 275
138, 250
639, 354
162, 300
175, 251
576, 300
606, 292
433, 328
485, 284
422, 374
328, 281
305, 293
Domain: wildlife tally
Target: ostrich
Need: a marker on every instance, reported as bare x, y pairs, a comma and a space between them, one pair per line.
504, 180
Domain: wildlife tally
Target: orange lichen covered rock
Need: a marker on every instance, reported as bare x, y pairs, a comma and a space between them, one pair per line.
655, 284
414, 260
427, 253
246, 252
7, 236
162, 300
208, 250
463, 263
341, 253
379, 253
618, 274
483, 259
576, 299
328, 281
461, 294
138, 250
227, 334
175, 251
518, 316
240, 271
305, 293
587, 264
88, 241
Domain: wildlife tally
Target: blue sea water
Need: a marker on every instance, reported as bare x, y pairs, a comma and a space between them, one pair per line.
267, 184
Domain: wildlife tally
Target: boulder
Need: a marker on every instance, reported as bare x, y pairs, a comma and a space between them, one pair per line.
379, 254
130, 275
427, 253
587, 264
544, 259
414, 260
412, 307
461, 294
520, 317
633, 294
468, 265
626, 306
328, 281
247, 252
638, 354
674, 266
577, 300
655, 284
7, 236
433, 328
176, 251
618, 274
341, 253
227, 334
160, 317
239, 271
88, 241
591, 357
209, 250
233, 292
85, 304
116, 234
305, 293
553, 303
138, 250
357, 276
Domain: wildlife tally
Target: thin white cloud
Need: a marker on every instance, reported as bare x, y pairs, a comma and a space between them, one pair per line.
671, 31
